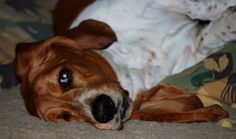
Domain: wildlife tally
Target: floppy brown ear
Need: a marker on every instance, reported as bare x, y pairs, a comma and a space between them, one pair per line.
24, 52
92, 34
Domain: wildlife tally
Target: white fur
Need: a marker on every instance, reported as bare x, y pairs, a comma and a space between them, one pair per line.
157, 38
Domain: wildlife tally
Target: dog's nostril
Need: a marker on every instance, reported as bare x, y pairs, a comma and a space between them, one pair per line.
103, 109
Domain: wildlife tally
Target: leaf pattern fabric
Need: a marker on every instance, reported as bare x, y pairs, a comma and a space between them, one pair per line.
215, 76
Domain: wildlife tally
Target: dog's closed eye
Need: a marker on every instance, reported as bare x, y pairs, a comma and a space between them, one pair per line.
65, 116
65, 78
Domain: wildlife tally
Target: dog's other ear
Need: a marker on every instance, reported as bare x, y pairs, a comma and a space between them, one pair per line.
24, 53
23, 56
30, 55
92, 34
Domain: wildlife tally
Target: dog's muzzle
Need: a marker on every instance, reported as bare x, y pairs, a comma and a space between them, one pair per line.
104, 109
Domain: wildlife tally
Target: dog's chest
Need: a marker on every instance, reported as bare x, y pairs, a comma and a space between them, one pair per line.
152, 42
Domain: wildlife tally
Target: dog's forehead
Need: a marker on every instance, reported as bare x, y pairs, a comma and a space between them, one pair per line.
53, 55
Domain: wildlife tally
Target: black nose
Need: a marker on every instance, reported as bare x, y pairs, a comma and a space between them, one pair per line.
103, 109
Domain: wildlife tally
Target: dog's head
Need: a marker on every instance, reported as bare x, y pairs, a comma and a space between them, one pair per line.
63, 79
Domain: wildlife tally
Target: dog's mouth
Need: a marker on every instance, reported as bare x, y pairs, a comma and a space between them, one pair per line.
124, 110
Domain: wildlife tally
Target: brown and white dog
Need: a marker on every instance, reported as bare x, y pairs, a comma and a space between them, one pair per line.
108, 56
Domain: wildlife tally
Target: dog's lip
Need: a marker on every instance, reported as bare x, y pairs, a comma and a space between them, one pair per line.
124, 109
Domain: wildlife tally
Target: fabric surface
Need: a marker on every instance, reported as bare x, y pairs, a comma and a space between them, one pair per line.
217, 66
16, 123
23, 21
217, 73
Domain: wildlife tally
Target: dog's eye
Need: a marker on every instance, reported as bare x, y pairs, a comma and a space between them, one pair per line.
65, 78
66, 116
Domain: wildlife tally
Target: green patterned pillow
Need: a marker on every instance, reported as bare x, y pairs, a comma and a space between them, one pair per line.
214, 76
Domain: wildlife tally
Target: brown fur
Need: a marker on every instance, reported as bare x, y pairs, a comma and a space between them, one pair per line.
65, 12
165, 103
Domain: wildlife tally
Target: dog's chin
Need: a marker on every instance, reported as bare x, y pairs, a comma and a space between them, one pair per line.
115, 124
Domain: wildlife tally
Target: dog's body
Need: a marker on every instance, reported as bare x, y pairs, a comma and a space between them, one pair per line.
153, 41
146, 43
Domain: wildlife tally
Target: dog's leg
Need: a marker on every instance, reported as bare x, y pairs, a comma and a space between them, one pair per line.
217, 32
164, 93
166, 103
197, 9
212, 113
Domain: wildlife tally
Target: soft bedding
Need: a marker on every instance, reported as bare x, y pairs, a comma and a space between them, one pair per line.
21, 21
215, 74
30, 20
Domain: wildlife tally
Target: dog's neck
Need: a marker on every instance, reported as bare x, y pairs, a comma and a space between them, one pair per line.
144, 53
